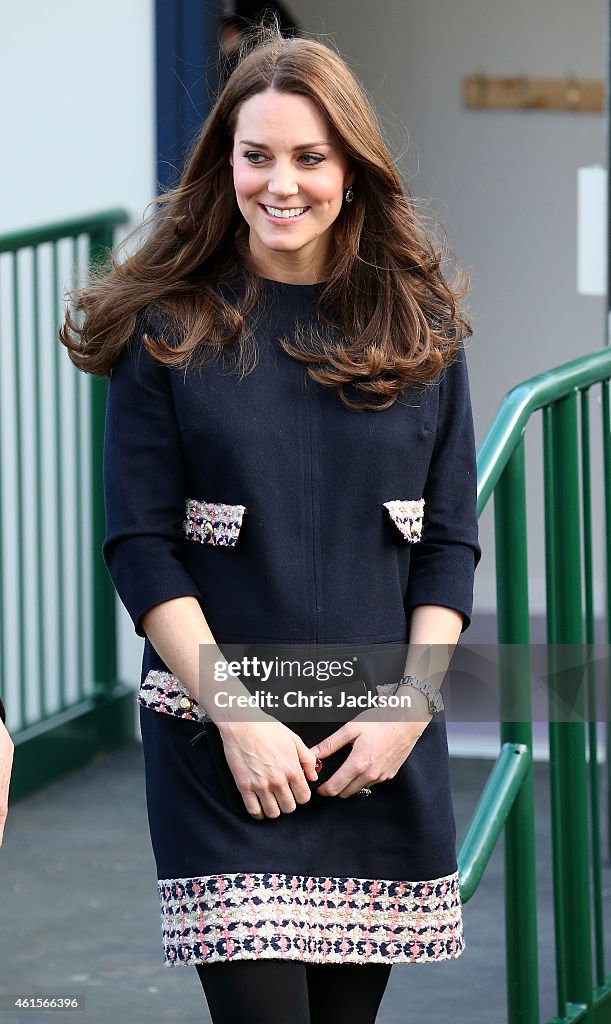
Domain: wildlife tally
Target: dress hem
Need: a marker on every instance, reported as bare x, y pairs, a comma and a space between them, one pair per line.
314, 919
305, 959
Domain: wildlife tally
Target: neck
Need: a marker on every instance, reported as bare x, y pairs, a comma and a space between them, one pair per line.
288, 267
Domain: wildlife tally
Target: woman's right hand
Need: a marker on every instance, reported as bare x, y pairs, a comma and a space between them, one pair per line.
270, 765
7, 748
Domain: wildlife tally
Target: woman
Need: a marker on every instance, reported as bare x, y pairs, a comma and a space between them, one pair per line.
289, 458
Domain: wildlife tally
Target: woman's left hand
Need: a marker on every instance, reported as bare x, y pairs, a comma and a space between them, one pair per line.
380, 745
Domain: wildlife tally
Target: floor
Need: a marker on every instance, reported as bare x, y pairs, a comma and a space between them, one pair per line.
79, 911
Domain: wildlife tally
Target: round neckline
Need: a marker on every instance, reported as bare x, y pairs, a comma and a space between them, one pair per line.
290, 284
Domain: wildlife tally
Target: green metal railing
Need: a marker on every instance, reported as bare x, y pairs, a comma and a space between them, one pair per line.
507, 803
57, 625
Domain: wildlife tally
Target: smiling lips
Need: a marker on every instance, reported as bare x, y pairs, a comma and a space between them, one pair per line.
284, 213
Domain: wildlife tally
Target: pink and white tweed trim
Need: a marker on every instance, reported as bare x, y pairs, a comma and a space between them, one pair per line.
213, 522
407, 516
318, 920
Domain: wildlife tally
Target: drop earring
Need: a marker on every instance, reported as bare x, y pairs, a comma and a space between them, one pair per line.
349, 194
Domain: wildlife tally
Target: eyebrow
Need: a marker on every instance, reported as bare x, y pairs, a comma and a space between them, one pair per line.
262, 145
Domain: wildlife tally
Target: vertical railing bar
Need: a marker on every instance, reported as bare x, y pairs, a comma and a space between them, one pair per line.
586, 509
104, 602
79, 546
21, 502
567, 738
597, 891
549, 520
513, 634
558, 866
39, 492
59, 486
606, 431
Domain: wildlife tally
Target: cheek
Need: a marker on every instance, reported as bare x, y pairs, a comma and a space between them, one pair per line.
328, 191
245, 181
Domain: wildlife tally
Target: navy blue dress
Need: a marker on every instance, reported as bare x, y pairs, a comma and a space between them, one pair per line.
291, 519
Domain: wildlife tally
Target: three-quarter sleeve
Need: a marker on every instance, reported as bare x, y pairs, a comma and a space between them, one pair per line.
443, 562
144, 489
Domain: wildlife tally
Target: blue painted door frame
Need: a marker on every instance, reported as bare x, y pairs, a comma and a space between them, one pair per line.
186, 44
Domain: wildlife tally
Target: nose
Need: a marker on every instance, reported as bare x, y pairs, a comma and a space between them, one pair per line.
282, 181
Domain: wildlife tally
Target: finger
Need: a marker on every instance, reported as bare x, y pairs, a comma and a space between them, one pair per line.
309, 762
300, 788
344, 778
252, 805
334, 742
269, 803
361, 782
285, 798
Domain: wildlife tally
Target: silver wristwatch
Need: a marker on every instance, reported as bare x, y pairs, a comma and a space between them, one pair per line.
432, 693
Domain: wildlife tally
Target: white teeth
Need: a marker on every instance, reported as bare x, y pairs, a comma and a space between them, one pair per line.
275, 212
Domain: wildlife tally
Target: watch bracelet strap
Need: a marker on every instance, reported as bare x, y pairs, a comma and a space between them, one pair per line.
427, 689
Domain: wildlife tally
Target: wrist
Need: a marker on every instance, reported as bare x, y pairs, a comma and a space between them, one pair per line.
419, 706
431, 694
236, 725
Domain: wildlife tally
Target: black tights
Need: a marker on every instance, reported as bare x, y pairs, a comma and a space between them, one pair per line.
291, 992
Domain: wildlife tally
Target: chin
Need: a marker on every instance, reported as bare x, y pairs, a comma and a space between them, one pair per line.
283, 244
287, 247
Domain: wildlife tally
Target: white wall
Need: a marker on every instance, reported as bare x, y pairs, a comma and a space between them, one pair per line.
77, 87
78, 136
503, 182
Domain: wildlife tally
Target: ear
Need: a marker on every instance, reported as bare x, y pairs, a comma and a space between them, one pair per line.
349, 179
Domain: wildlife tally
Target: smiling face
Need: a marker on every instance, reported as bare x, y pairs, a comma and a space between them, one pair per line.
289, 175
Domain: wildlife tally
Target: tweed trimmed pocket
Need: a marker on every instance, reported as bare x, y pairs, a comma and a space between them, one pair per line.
407, 517
213, 522
164, 692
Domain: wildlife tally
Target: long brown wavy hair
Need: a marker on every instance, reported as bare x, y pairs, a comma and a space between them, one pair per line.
387, 318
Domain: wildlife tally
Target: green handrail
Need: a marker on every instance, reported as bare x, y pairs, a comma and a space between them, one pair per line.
490, 815
518, 406
64, 708
56, 232
507, 803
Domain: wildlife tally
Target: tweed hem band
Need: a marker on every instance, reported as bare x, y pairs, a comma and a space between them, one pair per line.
252, 916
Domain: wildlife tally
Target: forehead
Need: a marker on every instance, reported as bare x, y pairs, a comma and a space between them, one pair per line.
283, 118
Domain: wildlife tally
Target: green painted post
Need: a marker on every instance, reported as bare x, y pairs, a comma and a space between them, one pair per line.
559, 871
105, 667
41, 503
60, 593
606, 429
78, 442
567, 738
597, 884
513, 636
24, 638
